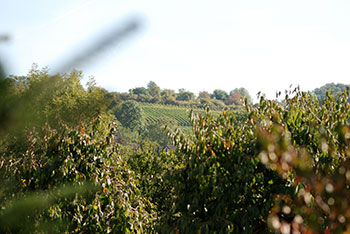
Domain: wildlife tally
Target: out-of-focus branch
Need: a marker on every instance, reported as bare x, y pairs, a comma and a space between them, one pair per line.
4, 37
113, 37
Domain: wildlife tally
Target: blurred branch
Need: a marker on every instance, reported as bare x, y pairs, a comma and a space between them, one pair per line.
23, 208
114, 36
4, 37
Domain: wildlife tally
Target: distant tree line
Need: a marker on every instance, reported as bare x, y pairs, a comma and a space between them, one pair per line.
219, 99
330, 88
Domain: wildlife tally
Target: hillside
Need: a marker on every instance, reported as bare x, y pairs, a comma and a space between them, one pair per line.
152, 113
181, 114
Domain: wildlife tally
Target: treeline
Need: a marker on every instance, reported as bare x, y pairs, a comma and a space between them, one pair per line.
283, 168
330, 88
219, 99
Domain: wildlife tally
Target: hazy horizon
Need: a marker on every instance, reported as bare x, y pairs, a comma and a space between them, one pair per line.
198, 45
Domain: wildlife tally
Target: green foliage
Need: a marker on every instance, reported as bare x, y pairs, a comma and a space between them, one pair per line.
220, 94
73, 157
154, 91
7, 102
237, 95
307, 142
245, 94
113, 99
219, 100
151, 166
204, 95
156, 130
27, 208
130, 115
54, 100
142, 94
140, 90
168, 96
184, 95
330, 88
220, 186
282, 166
46, 171
126, 136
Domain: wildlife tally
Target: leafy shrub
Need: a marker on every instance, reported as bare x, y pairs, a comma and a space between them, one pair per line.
151, 167
307, 142
220, 186
74, 157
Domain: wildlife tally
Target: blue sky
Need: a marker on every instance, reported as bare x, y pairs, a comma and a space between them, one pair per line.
194, 44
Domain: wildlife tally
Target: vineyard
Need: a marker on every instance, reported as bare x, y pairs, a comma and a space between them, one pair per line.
181, 114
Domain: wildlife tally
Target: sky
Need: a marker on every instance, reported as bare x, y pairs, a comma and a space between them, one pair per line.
198, 45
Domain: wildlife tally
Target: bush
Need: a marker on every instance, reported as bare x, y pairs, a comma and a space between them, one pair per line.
221, 186
76, 157
307, 142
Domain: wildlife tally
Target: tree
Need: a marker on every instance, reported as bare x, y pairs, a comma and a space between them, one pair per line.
130, 115
168, 96
140, 94
113, 99
204, 94
53, 100
236, 95
184, 95
245, 94
330, 88
154, 90
234, 98
220, 94
140, 90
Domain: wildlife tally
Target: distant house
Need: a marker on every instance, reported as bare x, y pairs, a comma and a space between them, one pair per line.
169, 148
